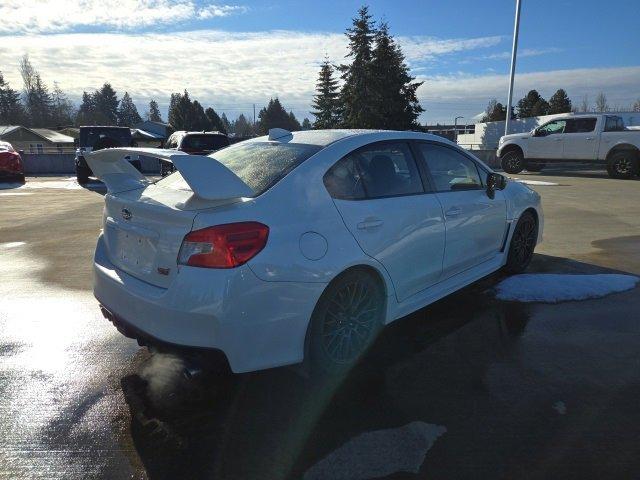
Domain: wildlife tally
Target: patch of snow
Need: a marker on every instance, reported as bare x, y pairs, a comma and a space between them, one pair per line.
13, 194
554, 288
560, 407
535, 182
8, 245
379, 453
68, 184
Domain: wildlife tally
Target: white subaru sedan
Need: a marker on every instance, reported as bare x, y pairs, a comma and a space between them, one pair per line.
301, 246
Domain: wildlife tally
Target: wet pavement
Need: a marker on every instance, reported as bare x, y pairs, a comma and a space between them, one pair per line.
470, 387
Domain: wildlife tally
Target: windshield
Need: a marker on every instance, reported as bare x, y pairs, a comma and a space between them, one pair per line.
204, 142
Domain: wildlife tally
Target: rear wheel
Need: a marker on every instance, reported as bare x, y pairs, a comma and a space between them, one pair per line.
623, 164
523, 242
535, 166
345, 322
512, 161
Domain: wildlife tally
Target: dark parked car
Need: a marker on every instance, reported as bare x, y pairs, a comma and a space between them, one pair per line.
193, 143
11, 167
97, 138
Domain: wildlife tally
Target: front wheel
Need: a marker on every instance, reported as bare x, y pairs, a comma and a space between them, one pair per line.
345, 322
623, 164
512, 162
523, 242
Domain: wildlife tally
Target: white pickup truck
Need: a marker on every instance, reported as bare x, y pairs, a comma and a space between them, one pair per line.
595, 138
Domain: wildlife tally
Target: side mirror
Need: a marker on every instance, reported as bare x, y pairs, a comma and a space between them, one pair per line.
495, 181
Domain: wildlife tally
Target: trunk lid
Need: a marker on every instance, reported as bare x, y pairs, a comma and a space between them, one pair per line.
144, 229
145, 223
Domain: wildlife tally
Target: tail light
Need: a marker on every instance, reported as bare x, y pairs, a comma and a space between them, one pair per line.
223, 246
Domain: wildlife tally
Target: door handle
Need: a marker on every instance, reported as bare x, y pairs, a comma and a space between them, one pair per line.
370, 223
453, 212
589, 138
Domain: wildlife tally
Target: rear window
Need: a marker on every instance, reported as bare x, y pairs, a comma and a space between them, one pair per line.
258, 164
204, 142
262, 164
100, 137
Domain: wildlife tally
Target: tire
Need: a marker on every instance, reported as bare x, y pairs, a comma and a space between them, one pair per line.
82, 175
523, 243
512, 161
623, 164
345, 322
535, 166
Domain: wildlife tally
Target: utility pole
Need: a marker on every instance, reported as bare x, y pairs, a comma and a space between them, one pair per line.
514, 50
254, 113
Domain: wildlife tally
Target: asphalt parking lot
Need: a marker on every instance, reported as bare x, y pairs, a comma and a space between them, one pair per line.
470, 387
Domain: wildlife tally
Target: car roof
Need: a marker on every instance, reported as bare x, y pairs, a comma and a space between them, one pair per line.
324, 138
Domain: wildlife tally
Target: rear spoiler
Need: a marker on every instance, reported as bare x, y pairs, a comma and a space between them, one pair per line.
208, 178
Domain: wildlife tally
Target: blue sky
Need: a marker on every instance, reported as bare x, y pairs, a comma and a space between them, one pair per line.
235, 53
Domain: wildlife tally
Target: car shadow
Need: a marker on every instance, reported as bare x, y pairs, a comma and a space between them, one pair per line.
277, 423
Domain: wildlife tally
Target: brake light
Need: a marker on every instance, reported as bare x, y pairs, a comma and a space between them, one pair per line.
223, 246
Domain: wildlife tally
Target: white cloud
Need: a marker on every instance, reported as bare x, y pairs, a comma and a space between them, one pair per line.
227, 69
37, 16
233, 70
527, 52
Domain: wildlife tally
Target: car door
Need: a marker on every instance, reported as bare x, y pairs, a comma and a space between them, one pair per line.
475, 224
580, 139
386, 205
547, 141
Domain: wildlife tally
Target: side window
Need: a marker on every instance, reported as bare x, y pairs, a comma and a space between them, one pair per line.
388, 169
613, 124
580, 125
450, 170
343, 180
172, 142
551, 128
375, 171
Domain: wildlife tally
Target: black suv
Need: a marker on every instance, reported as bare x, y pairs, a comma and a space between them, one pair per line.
97, 138
193, 143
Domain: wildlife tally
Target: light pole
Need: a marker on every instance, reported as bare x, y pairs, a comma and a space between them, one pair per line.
514, 50
455, 127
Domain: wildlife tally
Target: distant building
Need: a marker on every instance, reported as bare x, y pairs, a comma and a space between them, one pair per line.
449, 131
37, 140
151, 134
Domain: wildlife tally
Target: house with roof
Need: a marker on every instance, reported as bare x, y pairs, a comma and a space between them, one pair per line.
36, 140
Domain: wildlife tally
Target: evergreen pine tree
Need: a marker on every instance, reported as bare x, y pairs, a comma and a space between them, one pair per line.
214, 120
11, 110
396, 105
128, 114
106, 104
325, 101
242, 127
181, 111
154, 112
559, 102
527, 104
540, 108
275, 116
495, 112
357, 97
200, 121
87, 111
306, 124
226, 125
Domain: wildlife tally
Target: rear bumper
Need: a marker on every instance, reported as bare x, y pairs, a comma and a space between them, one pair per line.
256, 324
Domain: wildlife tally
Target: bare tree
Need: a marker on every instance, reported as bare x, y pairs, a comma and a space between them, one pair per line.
584, 106
636, 106
601, 103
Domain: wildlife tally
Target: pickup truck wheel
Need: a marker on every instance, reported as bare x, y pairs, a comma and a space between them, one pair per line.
535, 166
512, 162
623, 164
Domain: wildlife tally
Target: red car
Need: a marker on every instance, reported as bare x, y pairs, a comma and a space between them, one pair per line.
10, 164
